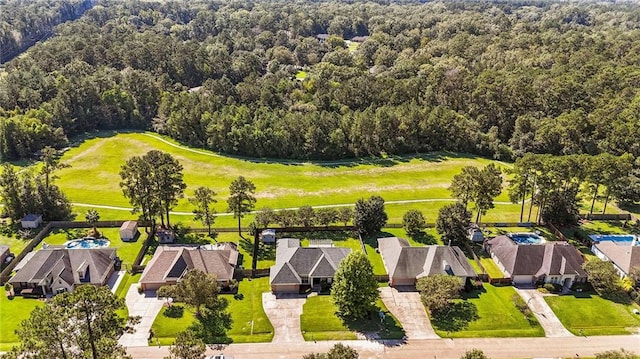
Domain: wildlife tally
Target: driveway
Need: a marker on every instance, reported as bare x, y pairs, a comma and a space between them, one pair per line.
284, 313
407, 307
546, 317
145, 305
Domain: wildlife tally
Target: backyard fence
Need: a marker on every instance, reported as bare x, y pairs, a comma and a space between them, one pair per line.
555, 231
606, 217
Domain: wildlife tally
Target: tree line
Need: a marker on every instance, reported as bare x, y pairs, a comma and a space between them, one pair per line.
495, 79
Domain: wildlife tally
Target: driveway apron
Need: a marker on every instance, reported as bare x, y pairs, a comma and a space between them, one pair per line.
409, 310
284, 313
546, 317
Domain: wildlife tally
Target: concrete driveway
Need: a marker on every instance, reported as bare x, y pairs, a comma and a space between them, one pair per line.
407, 307
546, 317
145, 305
284, 313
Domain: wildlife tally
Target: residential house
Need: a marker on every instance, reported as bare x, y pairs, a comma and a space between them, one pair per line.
31, 221
129, 231
405, 264
551, 262
623, 256
299, 267
171, 262
55, 270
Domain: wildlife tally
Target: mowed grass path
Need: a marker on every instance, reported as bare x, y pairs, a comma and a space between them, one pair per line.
592, 315
93, 178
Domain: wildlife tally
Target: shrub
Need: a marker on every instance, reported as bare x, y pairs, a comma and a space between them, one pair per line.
549, 287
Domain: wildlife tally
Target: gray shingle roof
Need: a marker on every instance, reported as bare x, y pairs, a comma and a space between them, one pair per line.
550, 258
406, 262
170, 262
294, 262
65, 263
624, 256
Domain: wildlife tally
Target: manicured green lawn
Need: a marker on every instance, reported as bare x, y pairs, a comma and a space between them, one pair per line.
321, 183
127, 251
319, 322
12, 312
244, 307
495, 316
590, 314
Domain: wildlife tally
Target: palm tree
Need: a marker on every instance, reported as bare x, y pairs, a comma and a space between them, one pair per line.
92, 218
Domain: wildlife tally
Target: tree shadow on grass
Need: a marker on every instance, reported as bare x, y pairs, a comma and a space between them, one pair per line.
265, 251
455, 317
376, 327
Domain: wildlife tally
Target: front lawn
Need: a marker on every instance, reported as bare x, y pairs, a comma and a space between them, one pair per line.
244, 307
485, 314
590, 314
127, 251
319, 322
12, 313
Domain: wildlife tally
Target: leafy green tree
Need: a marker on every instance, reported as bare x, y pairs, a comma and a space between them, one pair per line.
488, 186
265, 216
463, 185
167, 180
345, 214
306, 216
523, 181
369, 215
187, 346
137, 185
413, 222
50, 164
355, 289
241, 198
10, 184
80, 324
341, 351
604, 278
615, 354
286, 218
474, 354
204, 199
326, 216
453, 223
437, 291
197, 288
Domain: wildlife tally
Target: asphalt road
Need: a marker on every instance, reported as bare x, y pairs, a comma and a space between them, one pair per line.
495, 348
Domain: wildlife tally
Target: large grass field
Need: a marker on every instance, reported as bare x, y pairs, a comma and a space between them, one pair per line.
93, 178
12, 312
489, 313
244, 307
590, 314
319, 322
127, 251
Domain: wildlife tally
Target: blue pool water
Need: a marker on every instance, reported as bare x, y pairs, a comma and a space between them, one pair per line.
526, 238
626, 239
87, 243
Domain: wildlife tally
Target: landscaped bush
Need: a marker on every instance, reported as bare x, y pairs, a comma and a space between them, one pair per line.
549, 287
174, 311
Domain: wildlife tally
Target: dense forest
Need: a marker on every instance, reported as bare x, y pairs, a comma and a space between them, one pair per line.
253, 78
24, 22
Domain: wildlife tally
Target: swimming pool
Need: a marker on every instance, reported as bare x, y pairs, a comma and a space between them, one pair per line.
87, 243
624, 239
526, 238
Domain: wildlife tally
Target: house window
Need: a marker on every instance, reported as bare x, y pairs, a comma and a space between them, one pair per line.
305, 280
